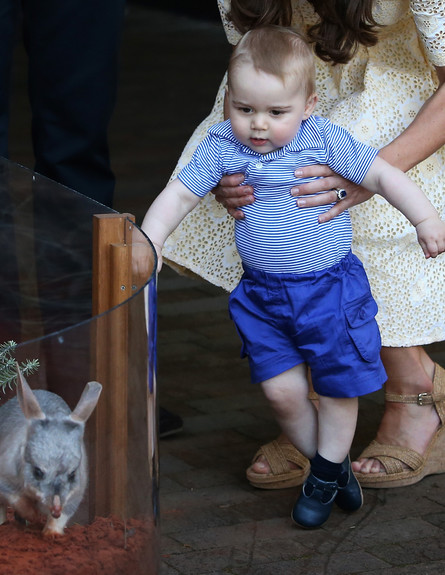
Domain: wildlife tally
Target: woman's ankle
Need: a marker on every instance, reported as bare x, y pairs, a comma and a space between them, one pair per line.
410, 370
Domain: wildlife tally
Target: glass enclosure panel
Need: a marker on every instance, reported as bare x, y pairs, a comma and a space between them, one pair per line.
72, 299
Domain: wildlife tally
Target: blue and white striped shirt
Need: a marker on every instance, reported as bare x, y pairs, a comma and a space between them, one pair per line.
276, 236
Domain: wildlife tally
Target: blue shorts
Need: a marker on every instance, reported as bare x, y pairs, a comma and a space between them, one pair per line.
325, 319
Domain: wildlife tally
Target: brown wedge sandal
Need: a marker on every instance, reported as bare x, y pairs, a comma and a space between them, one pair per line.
278, 456
404, 466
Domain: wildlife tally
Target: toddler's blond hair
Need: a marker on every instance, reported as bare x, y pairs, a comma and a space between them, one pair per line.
278, 51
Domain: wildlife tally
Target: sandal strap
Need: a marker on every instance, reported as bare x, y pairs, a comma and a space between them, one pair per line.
393, 457
278, 456
439, 388
436, 398
419, 399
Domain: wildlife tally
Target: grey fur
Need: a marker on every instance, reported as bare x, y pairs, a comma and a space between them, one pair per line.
43, 462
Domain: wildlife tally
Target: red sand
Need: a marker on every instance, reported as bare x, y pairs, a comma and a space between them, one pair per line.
107, 546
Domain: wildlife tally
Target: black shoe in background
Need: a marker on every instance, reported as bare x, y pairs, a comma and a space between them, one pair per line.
169, 423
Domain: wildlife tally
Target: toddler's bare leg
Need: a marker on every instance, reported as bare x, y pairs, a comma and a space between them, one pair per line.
331, 479
295, 413
337, 420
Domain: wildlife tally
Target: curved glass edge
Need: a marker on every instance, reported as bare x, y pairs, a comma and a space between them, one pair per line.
44, 223
150, 282
122, 437
47, 236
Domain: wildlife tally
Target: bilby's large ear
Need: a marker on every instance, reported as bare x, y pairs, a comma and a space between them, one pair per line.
27, 400
87, 402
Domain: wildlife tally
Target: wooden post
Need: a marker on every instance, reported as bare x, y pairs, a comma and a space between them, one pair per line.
112, 285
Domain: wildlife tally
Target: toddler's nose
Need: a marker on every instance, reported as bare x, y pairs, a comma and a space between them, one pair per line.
259, 122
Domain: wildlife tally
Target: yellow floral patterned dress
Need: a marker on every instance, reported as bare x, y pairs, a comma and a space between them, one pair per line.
375, 96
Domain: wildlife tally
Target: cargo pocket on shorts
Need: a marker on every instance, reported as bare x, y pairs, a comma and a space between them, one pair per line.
362, 327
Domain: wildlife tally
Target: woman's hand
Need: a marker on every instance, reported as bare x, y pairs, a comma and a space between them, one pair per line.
233, 196
327, 182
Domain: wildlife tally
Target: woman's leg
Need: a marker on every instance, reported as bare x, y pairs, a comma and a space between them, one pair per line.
410, 371
288, 396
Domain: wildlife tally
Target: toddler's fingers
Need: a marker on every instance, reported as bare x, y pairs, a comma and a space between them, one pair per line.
424, 246
432, 249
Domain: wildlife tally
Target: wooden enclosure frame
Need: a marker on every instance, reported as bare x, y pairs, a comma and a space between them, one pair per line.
113, 284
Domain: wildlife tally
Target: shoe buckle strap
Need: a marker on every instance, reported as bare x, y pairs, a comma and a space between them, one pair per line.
324, 488
419, 399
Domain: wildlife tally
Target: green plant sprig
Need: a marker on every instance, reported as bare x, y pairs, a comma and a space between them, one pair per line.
8, 370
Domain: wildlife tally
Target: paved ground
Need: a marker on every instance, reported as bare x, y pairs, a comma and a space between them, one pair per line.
212, 520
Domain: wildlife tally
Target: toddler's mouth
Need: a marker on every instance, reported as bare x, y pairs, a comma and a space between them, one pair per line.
258, 141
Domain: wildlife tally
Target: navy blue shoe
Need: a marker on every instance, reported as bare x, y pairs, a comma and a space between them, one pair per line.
349, 496
314, 505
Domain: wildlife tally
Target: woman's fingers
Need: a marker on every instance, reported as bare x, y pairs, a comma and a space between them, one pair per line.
234, 197
323, 190
328, 188
322, 198
231, 195
336, 209
325, 180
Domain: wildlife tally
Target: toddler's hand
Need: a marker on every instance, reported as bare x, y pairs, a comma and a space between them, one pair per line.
431, 236
142, 260
160, 261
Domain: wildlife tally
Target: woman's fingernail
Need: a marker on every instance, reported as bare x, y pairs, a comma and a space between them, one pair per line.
298, 173
301, 202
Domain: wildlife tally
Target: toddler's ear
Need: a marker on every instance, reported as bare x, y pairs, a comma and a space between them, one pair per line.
226, 103
311, 102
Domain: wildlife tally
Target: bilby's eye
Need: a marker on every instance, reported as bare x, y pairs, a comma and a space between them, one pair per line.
72, 477
38, 473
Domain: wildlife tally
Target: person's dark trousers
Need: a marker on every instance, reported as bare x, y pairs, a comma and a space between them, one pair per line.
9, 10
73, 49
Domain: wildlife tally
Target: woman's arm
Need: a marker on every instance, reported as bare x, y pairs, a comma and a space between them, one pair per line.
424, 136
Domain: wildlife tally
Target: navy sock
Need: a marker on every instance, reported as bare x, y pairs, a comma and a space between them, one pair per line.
324, 469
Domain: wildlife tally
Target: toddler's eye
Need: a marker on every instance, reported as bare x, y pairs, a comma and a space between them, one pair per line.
276, 112
245, 110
